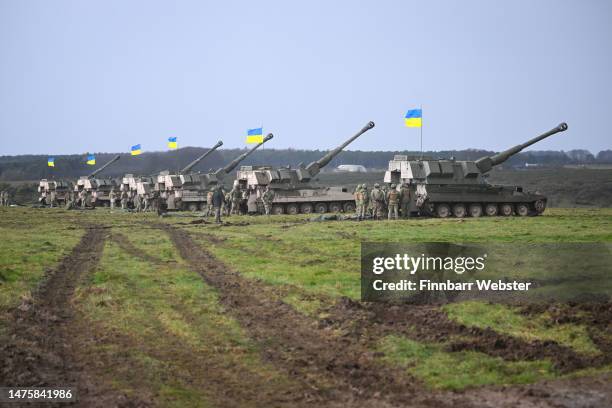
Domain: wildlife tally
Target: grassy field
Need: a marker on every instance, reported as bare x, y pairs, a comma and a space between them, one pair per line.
159, 326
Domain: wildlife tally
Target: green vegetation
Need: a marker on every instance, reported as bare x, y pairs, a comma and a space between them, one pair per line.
159, 327
324, 257
29, 246
440, 369
504, 319
167, 327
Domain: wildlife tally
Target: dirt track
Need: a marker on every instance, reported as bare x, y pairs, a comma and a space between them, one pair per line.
330, 361
342, 370
43, 346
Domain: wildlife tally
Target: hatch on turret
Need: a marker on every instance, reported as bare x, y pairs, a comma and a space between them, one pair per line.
469, 169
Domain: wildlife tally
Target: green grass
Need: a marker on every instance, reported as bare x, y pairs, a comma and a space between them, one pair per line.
324, 257
460, 370
31, 242
162, 308
504, 319
162, 323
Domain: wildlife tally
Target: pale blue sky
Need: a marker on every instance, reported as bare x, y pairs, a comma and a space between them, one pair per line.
79, 76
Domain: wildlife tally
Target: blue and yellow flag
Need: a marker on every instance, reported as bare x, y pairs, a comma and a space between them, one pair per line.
255, 135
136, 150
172, 144
91, 159
414, 118
51, 162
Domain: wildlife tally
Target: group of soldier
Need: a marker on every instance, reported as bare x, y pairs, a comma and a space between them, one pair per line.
234, 201
127, 199
374, 204
134, 200
5, 198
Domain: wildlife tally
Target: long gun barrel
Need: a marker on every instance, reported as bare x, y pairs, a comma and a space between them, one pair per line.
191, 165
485, 164
232, 165
95, 172
315, 167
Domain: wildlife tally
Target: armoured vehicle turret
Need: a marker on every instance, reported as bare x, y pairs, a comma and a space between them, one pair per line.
61, 189
188, 190
293, 189
460, 188
99, 188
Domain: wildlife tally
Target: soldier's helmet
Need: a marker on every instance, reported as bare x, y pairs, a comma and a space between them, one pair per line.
376, 185
392, 185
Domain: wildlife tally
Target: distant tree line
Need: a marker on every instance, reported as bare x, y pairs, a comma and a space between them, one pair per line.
34, 167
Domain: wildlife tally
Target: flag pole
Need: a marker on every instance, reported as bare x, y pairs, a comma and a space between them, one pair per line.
421, 107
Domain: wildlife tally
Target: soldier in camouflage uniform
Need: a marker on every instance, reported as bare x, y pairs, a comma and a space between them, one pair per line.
146, 201
69, 199
393, 202
268, 199
405, 201
359, 202
209, 203
83, 198
112, 196
227, 202
378, 201
385, 190
367, 202
124, 199
53, 199
137, 203
218, 200
236, 196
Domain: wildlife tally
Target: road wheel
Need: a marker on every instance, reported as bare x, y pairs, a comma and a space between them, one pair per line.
349, 207
293, 209
522, 210
443, 210
306, 208
321, 208
193, 207
491, 210
335, 207
459, 210
475, 210
278, 209
540, 206
506, 210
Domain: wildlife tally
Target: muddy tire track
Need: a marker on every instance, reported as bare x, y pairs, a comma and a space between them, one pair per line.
333, 369
431, 324
361, 325
126, 245
42, 346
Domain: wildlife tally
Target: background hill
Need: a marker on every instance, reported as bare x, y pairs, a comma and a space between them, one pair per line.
34, 167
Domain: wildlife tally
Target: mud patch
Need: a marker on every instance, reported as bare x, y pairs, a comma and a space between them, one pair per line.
430, 324
40, 349
332, 369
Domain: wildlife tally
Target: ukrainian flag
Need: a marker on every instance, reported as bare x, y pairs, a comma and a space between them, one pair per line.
51, 162
91, 159
255, 135
136, 150
172, 144
414, 118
